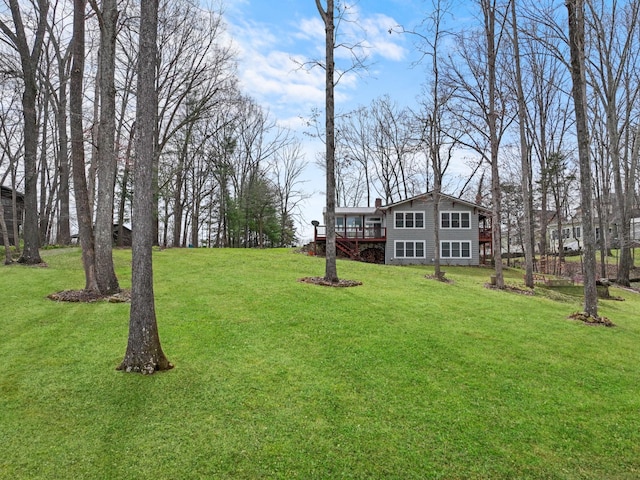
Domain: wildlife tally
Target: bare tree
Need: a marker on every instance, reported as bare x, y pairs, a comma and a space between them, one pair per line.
83, 208
525, 158
144, 353
438, 140
29, 58
614, 31
62, 56
577, 48
287, 169
482, 104
106, 155
327, 14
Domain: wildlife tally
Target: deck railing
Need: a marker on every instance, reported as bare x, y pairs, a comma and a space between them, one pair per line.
356, 233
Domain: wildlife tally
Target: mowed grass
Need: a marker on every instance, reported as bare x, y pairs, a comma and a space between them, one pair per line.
402, 377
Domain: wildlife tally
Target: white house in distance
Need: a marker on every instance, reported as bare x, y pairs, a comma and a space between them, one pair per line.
403, 233
572, 234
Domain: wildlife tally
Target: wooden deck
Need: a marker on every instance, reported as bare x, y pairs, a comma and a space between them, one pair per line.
368, 234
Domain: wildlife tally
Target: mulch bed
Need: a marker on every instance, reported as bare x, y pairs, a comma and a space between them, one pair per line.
511, 288
321, 281
589, 320
87, 296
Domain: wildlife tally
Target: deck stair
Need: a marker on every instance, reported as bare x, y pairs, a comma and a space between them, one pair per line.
348, 247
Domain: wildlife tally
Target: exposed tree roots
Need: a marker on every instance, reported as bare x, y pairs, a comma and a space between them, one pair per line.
89, 296
326, 283
589, 320
145, 368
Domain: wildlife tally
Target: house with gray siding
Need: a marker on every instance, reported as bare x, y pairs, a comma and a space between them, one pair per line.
403, 233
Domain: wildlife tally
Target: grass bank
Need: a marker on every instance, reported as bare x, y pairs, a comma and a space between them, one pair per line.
402, 377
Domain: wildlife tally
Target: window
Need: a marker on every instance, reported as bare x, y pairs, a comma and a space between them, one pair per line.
455, 249
412, 249
409, 220
455, 220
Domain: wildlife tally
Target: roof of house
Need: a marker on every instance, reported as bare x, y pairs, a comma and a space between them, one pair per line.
356, 210
383, 208
6, 192
442, 195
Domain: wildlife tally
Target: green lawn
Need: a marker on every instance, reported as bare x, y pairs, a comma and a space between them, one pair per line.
399, 378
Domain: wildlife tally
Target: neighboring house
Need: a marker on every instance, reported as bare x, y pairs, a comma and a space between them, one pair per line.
6, 195
126, 239
126, 236
403, 233
572, 233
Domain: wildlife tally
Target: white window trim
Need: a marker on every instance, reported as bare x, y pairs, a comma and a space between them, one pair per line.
404, 219
459, 257
424, 248
459, 212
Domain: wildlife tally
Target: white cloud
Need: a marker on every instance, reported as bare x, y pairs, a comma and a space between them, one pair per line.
270, 63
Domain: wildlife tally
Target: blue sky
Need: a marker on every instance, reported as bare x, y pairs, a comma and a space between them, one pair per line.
272, 38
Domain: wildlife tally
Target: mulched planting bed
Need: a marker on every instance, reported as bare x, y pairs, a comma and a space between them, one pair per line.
87, 296
325, 283
588, 320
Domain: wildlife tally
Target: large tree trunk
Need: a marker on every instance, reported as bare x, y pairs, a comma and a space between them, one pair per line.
496, 192
83, 211
331, 270
525, 162
29, 59
64, 217
106, 159
576, 44
144, 353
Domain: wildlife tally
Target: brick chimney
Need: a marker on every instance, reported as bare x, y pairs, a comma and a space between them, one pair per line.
378, 202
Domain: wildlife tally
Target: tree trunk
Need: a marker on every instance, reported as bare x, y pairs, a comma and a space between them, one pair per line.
144, 353
525, 162
30, 59
576, 44
496, 193
83, 210
64, 216
331, 270
106, 157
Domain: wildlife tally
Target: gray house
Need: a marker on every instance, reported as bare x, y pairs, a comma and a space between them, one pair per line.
403, 233
6, 197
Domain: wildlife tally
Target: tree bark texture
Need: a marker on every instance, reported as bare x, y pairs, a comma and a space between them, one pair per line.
489, 11
83, 210
576, 44
144, 353
525, 161
106, 159
331, 270
29, 58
